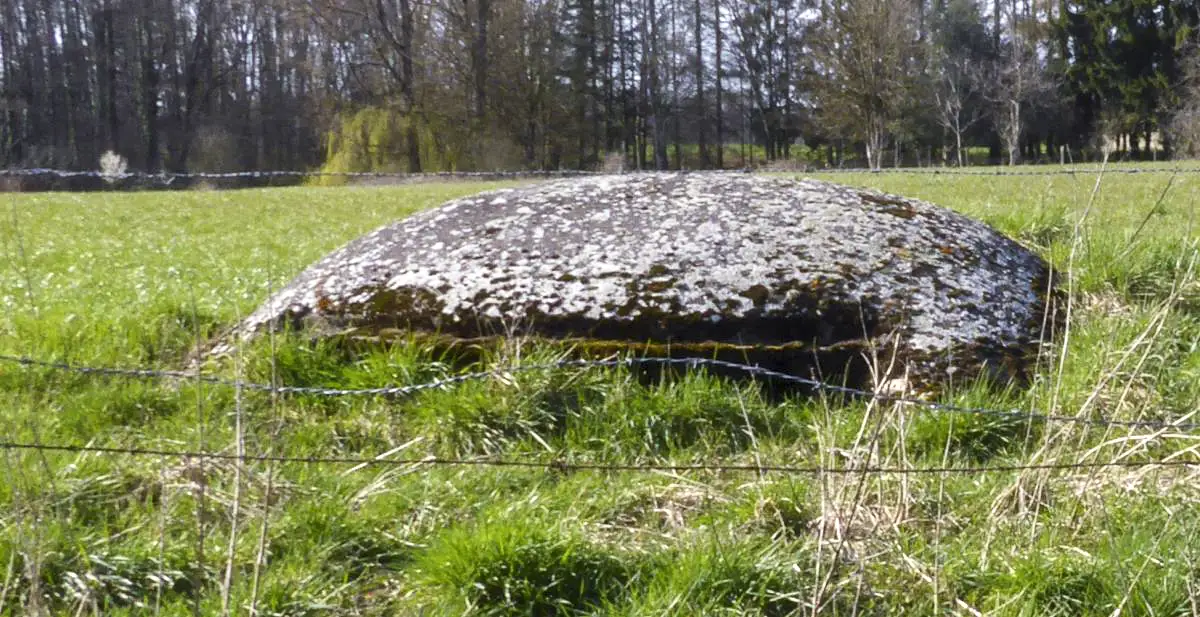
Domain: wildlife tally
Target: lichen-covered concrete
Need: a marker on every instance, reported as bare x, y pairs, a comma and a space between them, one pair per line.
702, 261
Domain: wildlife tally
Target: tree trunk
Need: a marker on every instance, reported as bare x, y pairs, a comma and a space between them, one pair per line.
10, 50
784, 133
876, 140
606, 59
480, 56
720, 143
1012, 132
582, 55
676, 108
594, 89
657, 121
996, 25
958, 146
110, 52
81, 130
149, 89
407, 89
57, 110
36, 100
702, 138
628, 123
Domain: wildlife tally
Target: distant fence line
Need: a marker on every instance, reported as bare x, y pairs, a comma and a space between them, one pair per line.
41, 179
46, 178
235, 175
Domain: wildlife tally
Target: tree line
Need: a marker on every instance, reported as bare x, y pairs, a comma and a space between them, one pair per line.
430, 85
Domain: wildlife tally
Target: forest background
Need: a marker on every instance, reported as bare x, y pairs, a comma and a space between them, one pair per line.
460, 85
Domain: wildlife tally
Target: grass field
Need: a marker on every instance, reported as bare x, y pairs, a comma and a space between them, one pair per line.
137, 279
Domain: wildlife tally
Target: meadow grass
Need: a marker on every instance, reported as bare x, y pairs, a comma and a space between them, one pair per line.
137, 279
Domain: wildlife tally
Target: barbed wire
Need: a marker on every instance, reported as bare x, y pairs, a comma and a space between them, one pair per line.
1009, 171
169, 177
631, 362
567, 466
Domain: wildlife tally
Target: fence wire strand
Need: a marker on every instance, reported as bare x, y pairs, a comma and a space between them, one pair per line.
631, 362
567, 466
167, 178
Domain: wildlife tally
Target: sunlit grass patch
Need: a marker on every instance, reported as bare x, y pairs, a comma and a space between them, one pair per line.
134, 280
525, 565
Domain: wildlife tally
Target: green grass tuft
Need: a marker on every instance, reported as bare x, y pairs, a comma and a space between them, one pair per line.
520, 565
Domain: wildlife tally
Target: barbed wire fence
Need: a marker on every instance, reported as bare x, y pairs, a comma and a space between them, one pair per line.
753, 371
167, 179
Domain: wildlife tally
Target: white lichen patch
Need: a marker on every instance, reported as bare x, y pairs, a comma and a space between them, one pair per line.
684, 257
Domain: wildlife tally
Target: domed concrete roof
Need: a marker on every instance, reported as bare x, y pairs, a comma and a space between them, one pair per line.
739, 265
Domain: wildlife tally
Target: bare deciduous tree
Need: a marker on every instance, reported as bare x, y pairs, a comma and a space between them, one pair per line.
870, 51
955, 88
1018, 80
226, 85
